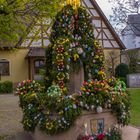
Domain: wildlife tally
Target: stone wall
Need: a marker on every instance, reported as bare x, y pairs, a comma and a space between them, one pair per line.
79, 127
133, 80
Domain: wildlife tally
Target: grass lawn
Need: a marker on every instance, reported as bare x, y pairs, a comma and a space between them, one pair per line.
135, 111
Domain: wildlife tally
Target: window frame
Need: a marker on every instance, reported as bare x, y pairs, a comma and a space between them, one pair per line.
36, 69
5, 61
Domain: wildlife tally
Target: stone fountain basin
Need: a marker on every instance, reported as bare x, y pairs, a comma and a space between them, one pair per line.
88, 118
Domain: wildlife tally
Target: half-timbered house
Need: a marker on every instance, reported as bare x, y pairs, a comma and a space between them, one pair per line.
28, 58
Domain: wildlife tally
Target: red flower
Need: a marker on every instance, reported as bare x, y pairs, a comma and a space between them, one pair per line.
100, 136
85, 83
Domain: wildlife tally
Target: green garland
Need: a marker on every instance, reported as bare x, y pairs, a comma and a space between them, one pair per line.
120, 85
65, 111
96, 95
52, 112
73, 41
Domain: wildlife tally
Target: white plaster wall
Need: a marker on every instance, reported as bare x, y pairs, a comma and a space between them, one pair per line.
129, 41
137, 41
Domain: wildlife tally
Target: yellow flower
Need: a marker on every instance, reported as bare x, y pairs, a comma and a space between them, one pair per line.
61, 112
33, 94
101, 73
83, 89
90, 85
66, 53
66, 40
97, 56
76, 56
64, 89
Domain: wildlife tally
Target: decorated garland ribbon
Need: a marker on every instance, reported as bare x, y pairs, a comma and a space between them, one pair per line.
120, 86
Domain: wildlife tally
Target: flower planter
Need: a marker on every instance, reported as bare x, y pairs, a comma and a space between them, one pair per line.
86, 123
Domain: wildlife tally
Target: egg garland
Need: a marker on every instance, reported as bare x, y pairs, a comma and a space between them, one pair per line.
57, 119
120, 86
61, 63
94, 95
98, 95
74, 46
52, 112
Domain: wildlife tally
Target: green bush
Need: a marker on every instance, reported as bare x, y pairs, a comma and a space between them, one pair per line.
121, 70
6, 87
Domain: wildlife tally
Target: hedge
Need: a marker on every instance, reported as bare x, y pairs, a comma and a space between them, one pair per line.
121, 70
6, 87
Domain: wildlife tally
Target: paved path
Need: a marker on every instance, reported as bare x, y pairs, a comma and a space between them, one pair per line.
10, 119
10, 115
11, 127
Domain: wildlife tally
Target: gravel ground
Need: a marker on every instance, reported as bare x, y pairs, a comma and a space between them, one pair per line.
10, 116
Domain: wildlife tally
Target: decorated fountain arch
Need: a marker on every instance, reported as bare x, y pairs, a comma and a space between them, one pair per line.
73, 43
99, 103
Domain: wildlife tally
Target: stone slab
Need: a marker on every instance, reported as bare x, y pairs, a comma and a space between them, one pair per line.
130, 133
133, 80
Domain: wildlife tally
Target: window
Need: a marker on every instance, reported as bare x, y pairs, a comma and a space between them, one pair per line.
38, 64
4, 67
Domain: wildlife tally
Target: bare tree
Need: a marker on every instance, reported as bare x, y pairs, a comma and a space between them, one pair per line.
112, 61
121, 10
132, 59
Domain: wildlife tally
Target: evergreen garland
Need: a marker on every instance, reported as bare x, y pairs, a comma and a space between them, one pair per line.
73, 41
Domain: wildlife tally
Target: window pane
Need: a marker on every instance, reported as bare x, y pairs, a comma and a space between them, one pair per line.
41, 63
38, 65
4, 68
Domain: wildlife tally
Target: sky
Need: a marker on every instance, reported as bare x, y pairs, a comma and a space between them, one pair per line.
105, 6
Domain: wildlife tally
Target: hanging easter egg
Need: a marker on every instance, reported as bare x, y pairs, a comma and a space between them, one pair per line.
92, 107
92, 53
99, 109
79, 50
84, 55
81, 104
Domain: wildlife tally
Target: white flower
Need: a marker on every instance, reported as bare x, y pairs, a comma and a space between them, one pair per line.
92, 53
99, 109
89, 75
92, 107
68, 67
87, 107
81, 103
109, 105
79, 50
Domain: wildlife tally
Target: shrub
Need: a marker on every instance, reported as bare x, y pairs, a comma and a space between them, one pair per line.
121, 70
6, 87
